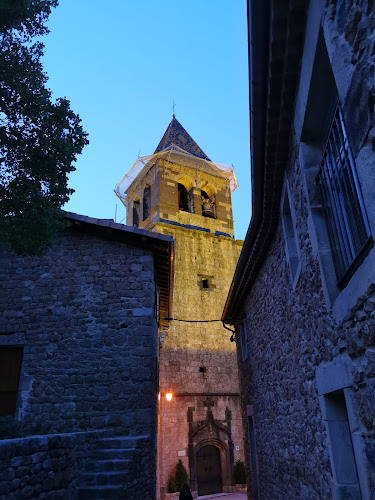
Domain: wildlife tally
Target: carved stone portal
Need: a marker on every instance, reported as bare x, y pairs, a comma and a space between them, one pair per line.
211, 470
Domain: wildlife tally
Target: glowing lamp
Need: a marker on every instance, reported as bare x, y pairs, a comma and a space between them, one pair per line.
168, 396
159, 396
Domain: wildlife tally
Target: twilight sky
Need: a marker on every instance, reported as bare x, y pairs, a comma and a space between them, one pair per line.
121, 63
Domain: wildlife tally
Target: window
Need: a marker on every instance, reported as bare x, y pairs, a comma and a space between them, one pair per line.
205, 283
291, 242
208, 205
243, 339
136, 213
182, 198
343, 462
10, 368
146, 202
347, 225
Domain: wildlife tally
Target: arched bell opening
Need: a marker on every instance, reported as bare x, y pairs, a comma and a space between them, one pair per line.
146, 202
182, 198
185, 194
208, 204
136, 210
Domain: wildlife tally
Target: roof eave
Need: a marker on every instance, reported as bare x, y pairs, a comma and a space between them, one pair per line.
266, 21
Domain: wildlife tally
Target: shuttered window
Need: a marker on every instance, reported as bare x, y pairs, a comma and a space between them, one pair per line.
10, 368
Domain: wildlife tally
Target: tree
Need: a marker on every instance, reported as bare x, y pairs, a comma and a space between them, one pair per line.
39, 139
181, 475
239, 472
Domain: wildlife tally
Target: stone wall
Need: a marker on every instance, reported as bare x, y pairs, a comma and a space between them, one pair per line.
44, 466
189, 348
142, 472
163, 177
85, 316
308, 339
289, 336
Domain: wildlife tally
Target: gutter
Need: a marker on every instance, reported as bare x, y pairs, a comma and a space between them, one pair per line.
276, 41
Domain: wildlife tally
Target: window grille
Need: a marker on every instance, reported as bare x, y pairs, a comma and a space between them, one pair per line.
347, 224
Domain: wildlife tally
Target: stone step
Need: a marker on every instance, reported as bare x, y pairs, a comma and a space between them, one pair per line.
118, 442
98, 492
102, 478
108, 465
113, 454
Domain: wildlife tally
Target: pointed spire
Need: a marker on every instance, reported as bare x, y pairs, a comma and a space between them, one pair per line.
177, 135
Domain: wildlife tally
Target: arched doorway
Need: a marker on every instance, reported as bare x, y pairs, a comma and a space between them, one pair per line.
208, 470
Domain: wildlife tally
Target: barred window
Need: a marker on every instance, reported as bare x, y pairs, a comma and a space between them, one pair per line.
347, 224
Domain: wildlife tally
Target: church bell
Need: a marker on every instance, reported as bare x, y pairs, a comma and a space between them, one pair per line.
207, 209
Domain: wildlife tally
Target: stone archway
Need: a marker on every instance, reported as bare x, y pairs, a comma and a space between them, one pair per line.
211, 454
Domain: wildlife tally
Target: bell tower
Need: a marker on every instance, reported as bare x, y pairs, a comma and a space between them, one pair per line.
178, 185
179, 191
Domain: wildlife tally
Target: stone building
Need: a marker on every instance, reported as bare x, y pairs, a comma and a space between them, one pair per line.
78, 362
179, 191
303, 295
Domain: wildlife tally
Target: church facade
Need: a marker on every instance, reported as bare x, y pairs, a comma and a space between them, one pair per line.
179, 191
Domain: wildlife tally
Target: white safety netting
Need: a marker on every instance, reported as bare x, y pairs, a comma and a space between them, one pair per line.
178, 156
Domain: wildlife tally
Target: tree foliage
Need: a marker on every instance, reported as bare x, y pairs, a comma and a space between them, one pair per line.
240, 472
181, 475
39, 138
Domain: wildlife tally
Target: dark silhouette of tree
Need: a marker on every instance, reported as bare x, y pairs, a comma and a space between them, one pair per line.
39, 139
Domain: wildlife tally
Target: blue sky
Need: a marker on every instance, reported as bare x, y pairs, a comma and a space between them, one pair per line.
122, 62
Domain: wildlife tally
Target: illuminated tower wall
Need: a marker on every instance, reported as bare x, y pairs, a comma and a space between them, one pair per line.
180, 192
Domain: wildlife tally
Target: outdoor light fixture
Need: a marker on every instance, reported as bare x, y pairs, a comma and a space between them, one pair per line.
159, 396
168, 396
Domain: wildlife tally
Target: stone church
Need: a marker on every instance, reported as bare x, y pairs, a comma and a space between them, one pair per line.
179, 191
114, 364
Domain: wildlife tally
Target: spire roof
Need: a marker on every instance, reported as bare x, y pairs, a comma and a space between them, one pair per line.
177, 135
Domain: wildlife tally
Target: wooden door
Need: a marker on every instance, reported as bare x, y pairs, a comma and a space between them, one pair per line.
208, 470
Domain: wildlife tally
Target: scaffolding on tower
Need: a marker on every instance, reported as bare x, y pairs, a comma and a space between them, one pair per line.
179, 156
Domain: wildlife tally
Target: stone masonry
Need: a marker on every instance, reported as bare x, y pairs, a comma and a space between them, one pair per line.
85, 315
197, 361
310, 341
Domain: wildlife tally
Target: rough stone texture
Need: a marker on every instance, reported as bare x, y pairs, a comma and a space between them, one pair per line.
292, 333
44, 466
189, 346
204, 248
84, 314
142, 472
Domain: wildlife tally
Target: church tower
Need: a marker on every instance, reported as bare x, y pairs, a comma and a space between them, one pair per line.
179, 191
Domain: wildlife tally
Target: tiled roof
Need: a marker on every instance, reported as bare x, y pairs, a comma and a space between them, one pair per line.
109, 224
177, 135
